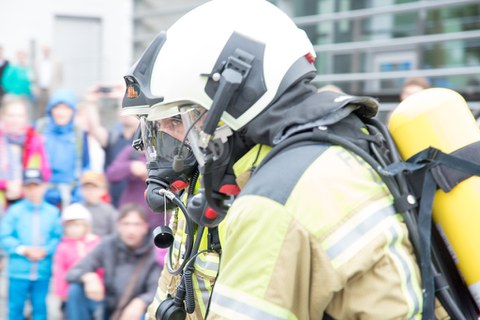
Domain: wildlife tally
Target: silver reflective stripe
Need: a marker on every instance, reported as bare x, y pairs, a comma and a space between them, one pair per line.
203, 289
359, 231
243, 308
176, 244
207, 264
392, 247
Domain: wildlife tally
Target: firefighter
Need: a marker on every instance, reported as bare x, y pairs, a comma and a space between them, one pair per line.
314, 230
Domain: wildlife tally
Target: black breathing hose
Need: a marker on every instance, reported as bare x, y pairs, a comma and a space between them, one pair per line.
189, 230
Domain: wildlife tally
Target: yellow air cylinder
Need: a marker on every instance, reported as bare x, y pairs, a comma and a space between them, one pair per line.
440, 118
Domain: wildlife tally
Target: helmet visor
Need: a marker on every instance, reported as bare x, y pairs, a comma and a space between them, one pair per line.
193, 118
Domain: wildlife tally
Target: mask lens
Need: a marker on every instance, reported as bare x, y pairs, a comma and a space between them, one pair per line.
162, 139
148, 135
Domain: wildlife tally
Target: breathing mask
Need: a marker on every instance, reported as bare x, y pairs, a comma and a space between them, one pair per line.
170, 161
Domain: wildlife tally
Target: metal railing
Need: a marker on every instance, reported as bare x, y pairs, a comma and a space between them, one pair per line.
370, 12
373, 45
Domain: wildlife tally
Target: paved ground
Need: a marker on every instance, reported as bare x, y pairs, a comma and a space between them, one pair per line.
53, 302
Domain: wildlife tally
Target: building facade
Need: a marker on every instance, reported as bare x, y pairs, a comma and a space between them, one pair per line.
368, 47
90, 39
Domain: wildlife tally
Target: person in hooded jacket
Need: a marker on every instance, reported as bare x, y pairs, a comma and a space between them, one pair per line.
314, 231
67, 148
130, 272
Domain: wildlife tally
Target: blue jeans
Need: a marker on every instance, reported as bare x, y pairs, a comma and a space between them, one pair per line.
20, 290
79, 307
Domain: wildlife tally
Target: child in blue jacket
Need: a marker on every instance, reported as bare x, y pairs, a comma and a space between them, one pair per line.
30, 231
66, 145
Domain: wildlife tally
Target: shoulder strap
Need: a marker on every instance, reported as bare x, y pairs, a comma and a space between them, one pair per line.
127, 293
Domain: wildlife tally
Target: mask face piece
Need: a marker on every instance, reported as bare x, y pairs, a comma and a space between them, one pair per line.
170, 161
174, 142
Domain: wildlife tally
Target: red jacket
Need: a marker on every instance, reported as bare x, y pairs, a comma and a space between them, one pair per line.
68, 253
33, 156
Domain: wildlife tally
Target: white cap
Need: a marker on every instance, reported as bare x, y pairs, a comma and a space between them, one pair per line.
76, 211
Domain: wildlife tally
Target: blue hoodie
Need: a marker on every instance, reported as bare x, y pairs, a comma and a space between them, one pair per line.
30, 225
64, 143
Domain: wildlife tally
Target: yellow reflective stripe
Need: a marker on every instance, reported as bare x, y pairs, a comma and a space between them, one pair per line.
180, 237
358, 231
232, 304
178, 251
206, 268
410, 284
207, 264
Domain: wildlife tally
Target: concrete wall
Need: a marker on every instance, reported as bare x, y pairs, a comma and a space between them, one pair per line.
29, 25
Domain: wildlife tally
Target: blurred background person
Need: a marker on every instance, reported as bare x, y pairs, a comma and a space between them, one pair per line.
30, 232
77, 241
104, 215
410, 86
67, 148
113, 142
87, 110
3, 65
413, 85
17, 78
49, 77
130, 272
21, 147
130, 166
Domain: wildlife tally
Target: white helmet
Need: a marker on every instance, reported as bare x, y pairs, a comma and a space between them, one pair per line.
76, 211
187, 64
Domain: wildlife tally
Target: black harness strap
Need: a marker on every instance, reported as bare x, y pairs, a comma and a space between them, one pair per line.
466, 164
326, 316
429, 161
214, 240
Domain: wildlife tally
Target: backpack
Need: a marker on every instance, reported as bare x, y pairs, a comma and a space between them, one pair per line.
368, 138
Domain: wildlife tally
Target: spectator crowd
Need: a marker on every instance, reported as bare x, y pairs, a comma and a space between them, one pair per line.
72, 208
